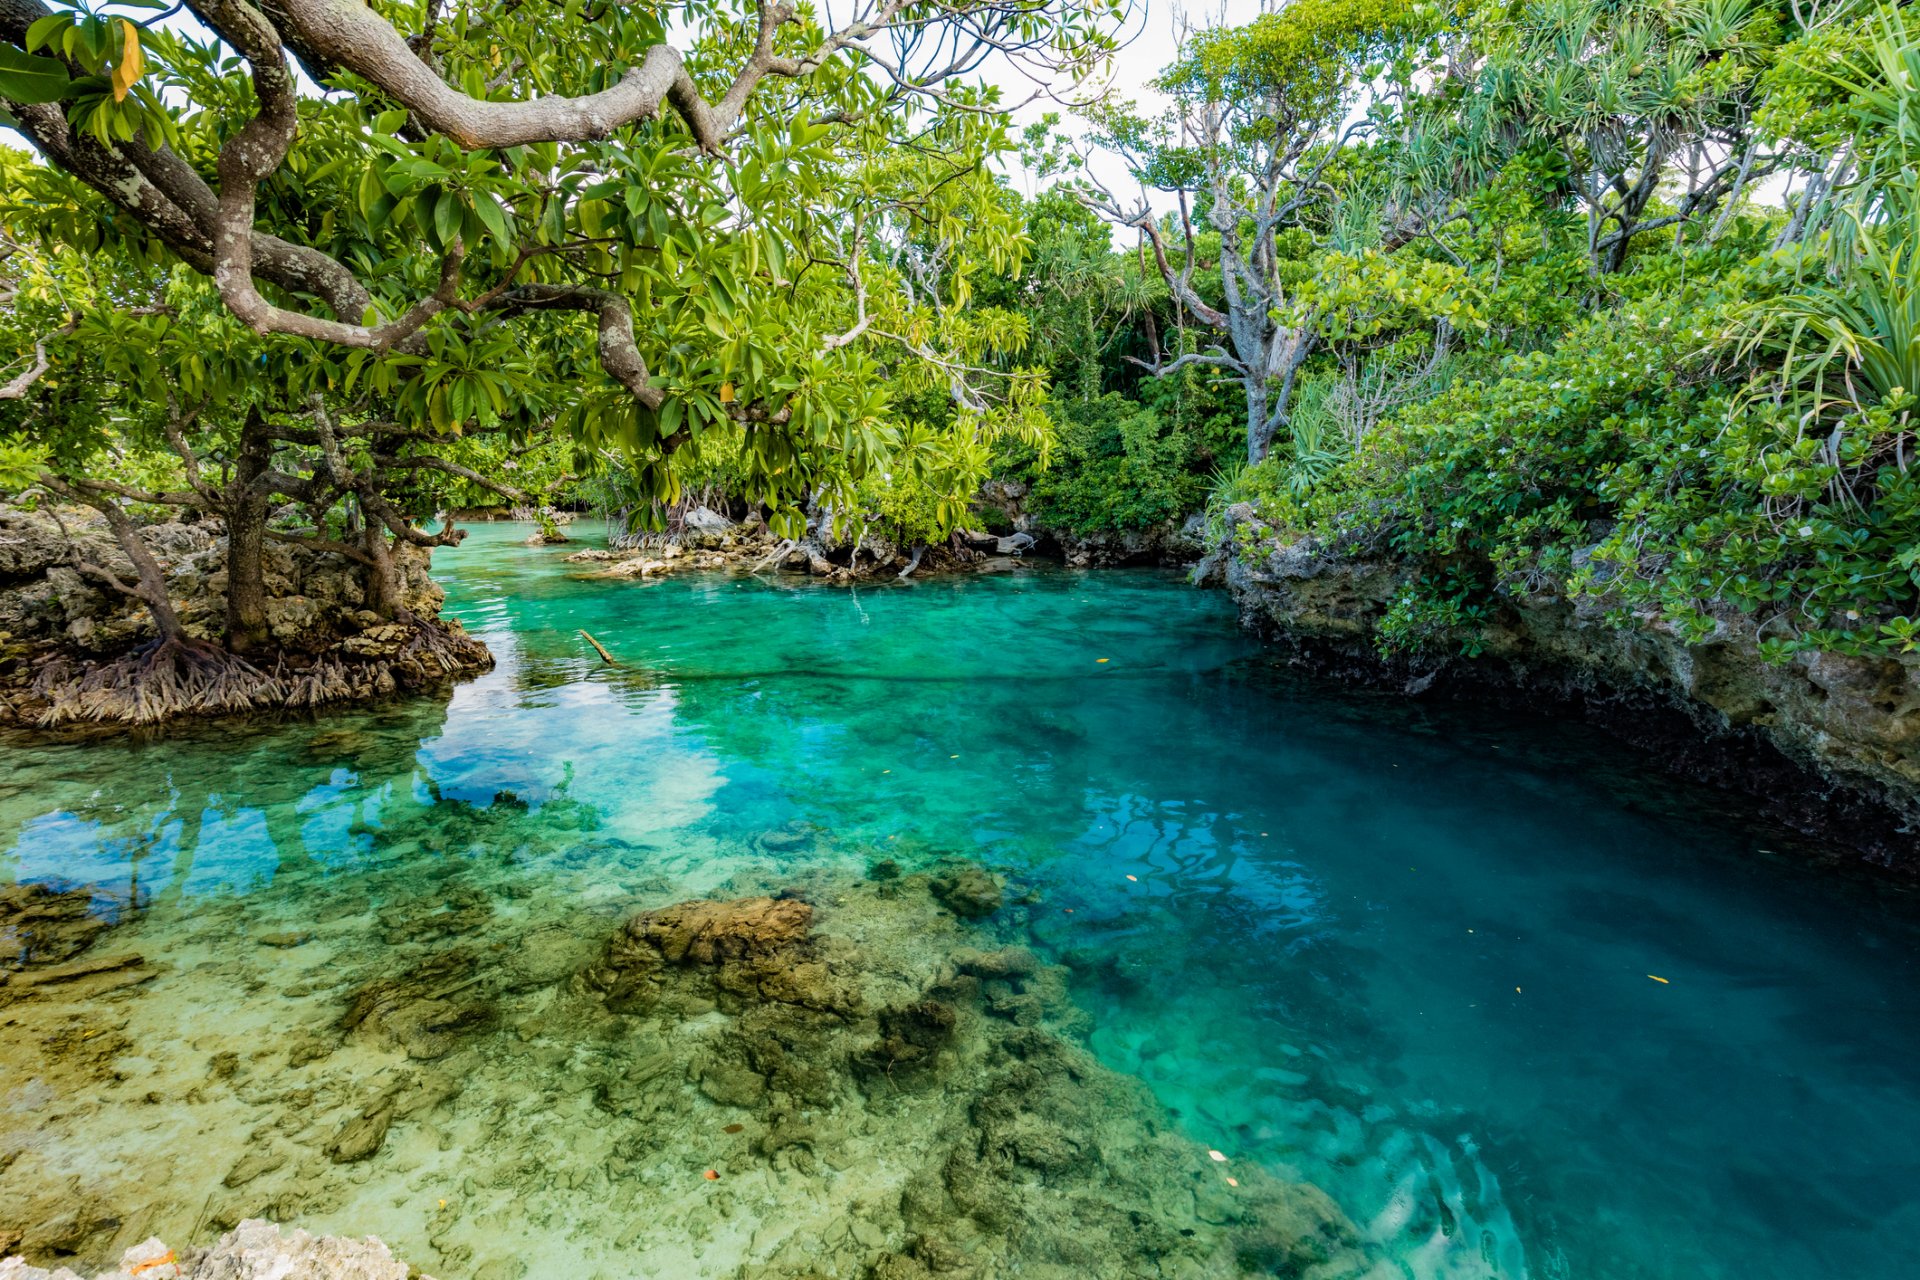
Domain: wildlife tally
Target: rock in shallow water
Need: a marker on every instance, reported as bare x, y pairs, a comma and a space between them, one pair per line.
870, 1091
972, 893
753, 949
44, 926
254, 1250
946, 1081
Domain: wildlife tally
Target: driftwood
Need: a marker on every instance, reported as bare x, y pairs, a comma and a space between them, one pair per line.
599, 648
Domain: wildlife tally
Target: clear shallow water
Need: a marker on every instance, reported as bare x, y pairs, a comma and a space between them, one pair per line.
1403, 954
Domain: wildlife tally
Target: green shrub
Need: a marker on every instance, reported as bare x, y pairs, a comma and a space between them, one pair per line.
1117, 465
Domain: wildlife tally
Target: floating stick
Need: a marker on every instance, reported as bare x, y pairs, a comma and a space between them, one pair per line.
599, 648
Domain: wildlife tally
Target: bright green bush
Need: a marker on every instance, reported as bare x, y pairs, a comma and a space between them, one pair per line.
1632, 463
1117, 465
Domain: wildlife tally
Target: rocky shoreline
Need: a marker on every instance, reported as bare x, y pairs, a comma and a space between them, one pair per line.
1826, 744
711, 541
73, 652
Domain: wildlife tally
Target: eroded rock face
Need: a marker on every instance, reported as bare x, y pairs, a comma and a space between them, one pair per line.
313, 597
1852, 722
1005, 504
254, 1250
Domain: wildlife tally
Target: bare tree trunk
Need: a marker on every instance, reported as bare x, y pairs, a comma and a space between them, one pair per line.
152, 586
1259, 425
247, 507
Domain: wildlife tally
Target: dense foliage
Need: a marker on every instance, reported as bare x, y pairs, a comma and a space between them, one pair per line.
1605, 298
1614, 301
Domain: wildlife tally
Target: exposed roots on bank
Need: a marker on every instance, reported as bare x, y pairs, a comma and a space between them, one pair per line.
181, 676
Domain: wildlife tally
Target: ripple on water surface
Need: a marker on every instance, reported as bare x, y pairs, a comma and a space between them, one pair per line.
342, 972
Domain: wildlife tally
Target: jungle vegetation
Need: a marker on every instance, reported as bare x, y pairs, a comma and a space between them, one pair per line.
1591, 295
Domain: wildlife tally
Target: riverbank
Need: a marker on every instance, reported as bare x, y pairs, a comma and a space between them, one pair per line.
709, 541
1824, 743
77, 652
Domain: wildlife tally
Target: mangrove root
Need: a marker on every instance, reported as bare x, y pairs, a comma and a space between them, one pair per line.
181, 676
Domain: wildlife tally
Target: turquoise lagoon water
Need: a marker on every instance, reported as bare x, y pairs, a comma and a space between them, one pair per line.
1408, 954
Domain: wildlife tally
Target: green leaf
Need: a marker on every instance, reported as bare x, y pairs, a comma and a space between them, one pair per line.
493, 217
42, 29
446, 217
27, 79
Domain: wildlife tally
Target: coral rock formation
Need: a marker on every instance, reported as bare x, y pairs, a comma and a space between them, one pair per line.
72, 651
816, 1077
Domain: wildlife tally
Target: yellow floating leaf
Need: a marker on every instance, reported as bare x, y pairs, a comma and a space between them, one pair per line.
1657, 978
132, 64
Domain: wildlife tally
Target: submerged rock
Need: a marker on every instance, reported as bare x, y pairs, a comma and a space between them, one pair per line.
755, 949
971, 893
362, 1135
945, 1074
828, 1079
427, 1011
254, 1250
45, 926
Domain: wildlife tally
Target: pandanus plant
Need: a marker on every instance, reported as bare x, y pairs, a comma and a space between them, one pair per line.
1850, 337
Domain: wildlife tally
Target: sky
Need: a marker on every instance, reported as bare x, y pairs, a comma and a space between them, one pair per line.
1150, 45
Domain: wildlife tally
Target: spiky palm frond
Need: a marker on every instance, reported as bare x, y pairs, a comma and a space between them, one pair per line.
1851, 337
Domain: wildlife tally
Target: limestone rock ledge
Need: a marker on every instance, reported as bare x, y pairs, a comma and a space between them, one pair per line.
1827, 743
254, 1250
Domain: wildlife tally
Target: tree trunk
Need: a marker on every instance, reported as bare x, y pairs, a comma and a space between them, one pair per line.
1259, 428
152, 579
247, 507
383, 574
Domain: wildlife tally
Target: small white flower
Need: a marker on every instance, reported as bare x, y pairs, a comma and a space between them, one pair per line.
1806, 531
